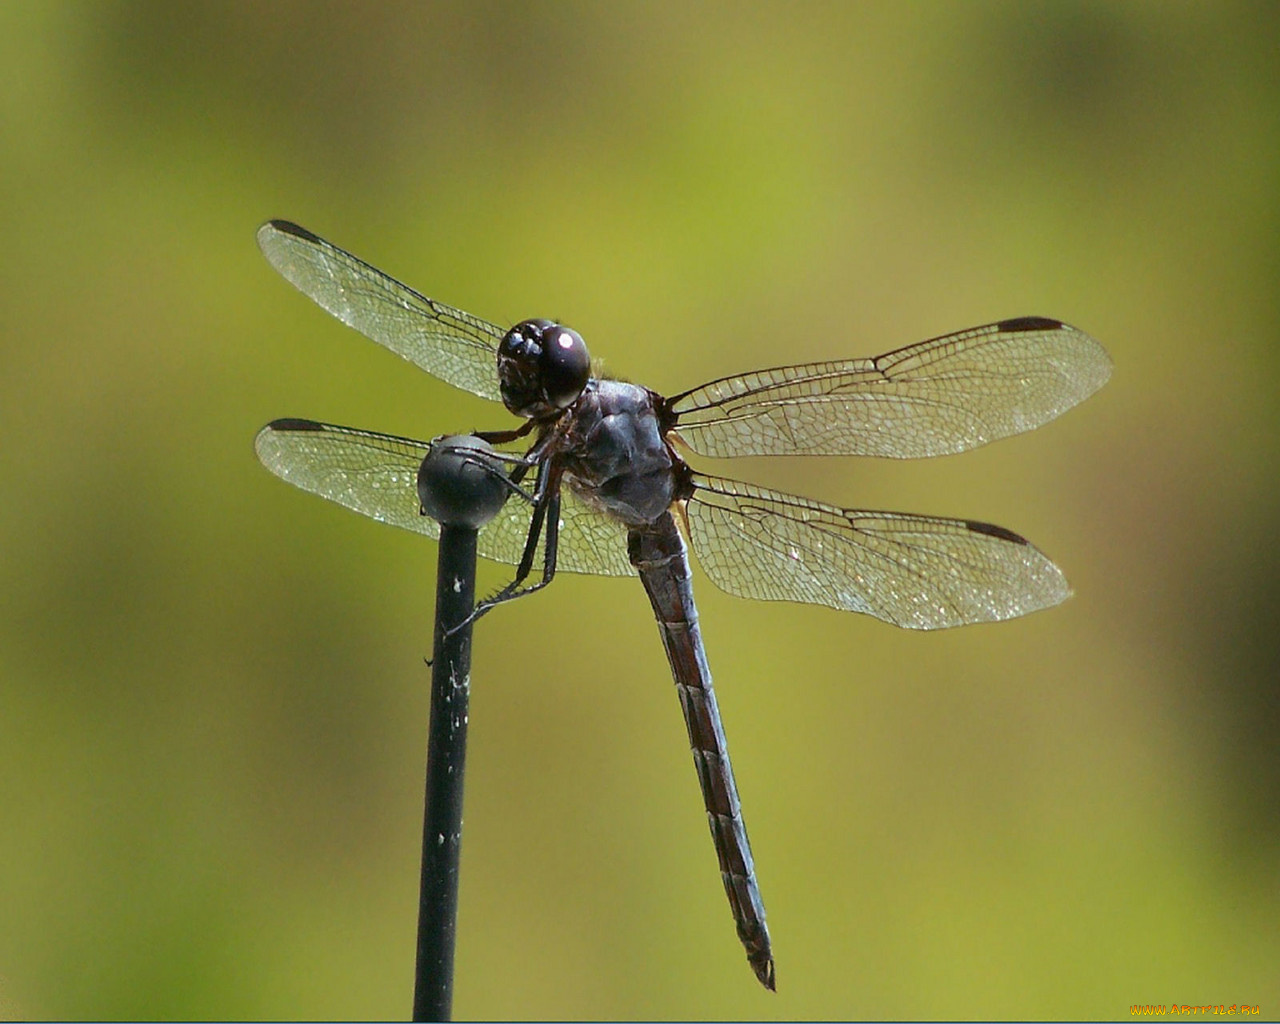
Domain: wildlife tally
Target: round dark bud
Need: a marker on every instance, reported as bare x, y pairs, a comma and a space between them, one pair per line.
460, 482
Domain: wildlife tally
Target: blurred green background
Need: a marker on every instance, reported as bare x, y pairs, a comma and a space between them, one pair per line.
212, 690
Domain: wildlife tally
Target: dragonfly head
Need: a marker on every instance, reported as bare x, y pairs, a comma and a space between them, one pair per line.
542, 368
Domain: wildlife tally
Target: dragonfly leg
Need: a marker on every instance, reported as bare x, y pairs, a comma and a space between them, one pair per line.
546, 513
505, 436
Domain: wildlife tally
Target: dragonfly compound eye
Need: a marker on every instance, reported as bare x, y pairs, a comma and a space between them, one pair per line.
566, 365
542, 368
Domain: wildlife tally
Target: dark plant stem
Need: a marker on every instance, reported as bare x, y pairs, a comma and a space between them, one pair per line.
446, 760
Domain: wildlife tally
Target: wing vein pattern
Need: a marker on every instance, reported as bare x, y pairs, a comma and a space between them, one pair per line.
919, 572
457, 347
936, 397
376, 475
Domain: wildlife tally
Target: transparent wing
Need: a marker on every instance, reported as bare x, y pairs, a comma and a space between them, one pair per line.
919, 572
376, 475
448, 343
933, 398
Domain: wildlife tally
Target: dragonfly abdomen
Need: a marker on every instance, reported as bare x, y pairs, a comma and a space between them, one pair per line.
658, 552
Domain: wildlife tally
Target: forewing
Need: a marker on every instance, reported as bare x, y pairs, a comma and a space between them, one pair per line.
454, 346
376, 475
945, 395
919, 572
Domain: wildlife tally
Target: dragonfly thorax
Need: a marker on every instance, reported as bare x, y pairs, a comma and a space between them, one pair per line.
542, 368
616, 457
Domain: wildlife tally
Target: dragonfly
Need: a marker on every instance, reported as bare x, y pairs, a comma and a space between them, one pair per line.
613, 495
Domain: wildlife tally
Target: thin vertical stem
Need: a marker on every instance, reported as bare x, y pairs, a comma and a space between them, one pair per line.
446, 761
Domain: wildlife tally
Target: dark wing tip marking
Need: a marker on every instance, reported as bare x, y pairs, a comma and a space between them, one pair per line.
1029, 323
288, 227
999, 532
289, 423
764, 971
